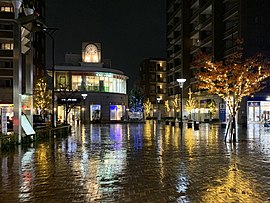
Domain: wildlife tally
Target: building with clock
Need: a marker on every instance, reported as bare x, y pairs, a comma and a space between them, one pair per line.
89, 87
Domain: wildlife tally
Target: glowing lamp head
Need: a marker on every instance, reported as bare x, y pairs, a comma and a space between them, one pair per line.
181, 82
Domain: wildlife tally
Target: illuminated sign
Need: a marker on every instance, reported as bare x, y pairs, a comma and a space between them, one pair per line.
26, 125
68, 100
4, 121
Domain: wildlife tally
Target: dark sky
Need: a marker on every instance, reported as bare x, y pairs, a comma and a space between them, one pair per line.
129, 30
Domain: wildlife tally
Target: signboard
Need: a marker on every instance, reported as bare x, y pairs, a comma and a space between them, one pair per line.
222, 112
68, 100
26, 126
4, 121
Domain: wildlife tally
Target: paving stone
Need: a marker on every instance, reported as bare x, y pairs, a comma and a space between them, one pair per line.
140, 163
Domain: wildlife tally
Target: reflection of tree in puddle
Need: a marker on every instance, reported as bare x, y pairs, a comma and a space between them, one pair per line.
27, 176
235, 187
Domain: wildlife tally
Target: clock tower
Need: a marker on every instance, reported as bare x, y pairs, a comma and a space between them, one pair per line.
91, 52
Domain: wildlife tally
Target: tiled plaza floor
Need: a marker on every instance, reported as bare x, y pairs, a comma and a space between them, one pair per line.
140, 163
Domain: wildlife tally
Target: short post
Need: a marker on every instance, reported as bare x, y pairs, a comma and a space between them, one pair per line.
181, 84
158, 112
84, 95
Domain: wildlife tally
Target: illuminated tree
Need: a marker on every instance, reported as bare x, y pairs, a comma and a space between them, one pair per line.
176, 105
232, 80
147, 107
167, 106
67, 96
42, 96
190, 104
212, 108
136, 100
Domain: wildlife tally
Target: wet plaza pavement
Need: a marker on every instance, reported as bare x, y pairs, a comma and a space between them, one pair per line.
140, 163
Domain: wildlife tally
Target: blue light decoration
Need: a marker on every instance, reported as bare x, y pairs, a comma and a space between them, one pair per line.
136, 100
113, 107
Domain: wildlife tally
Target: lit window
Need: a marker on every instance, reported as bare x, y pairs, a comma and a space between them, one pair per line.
7, 46
6, 9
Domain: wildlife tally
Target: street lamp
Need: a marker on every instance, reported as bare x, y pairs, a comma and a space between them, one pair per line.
181, 82
84, 95
50, 32
158, 101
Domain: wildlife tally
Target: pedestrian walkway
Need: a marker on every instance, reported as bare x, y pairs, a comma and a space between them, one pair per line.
139, 162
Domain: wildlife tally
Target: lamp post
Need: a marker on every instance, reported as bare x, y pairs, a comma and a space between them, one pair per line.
158, 102
50, 32
181, 82
84, 95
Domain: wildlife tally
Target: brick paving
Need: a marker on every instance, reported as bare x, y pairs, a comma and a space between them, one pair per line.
140, 163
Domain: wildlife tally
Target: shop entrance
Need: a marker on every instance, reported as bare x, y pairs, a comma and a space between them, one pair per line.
258, 111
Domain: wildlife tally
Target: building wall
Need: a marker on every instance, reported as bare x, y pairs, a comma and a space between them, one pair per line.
212, 26
153, 81
105, 100
6, 50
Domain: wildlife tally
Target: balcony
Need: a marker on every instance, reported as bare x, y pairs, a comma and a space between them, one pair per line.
232, 12
230, 31
6, 15
6, 54
6, 35
6, 95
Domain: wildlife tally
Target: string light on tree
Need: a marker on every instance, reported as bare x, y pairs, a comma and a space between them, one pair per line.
232, 79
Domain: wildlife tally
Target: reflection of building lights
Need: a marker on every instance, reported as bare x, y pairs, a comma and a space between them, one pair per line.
83, 109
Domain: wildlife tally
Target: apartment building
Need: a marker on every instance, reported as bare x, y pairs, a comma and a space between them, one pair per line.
153, 81
7, 16
212, 26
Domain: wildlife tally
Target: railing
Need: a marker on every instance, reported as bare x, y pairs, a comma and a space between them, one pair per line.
11, 140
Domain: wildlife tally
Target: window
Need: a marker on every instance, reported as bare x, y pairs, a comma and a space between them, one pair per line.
6, 9
76, 82
5, 82
7, 46
6, 64
6, 27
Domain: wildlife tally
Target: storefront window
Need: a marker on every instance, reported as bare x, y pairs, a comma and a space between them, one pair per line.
77, 82
93, 82
95, 112
116, 112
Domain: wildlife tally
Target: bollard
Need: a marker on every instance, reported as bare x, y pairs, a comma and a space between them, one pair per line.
196, 125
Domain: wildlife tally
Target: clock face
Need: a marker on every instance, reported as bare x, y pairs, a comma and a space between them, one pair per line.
91, 49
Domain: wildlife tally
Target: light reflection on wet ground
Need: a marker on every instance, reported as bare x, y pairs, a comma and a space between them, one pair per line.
140, 163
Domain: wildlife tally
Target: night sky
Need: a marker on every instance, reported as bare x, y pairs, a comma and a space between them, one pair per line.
129, 30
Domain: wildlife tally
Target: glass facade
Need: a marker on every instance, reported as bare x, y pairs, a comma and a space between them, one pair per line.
116, 112
258, 111
92, 82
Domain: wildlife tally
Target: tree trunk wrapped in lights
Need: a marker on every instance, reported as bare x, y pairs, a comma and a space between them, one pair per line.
212, 108
232, 80
190, 104
42, 96
176, 105
147, 107
167, 106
